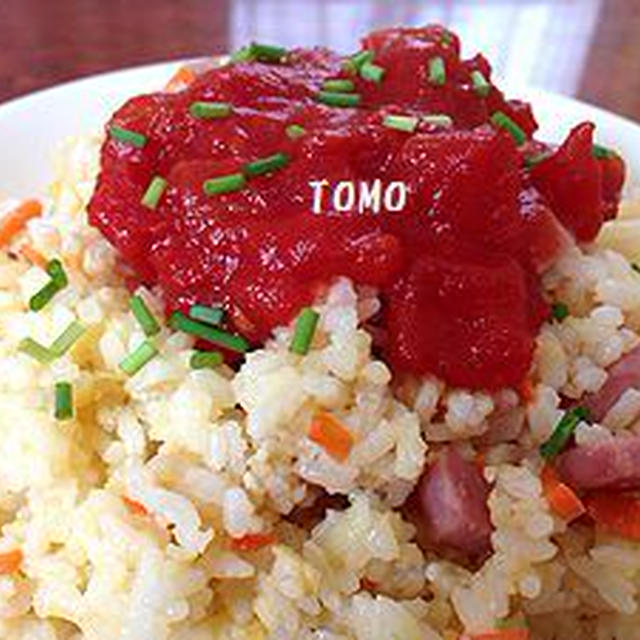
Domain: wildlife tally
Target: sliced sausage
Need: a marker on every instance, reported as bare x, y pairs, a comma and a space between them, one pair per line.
610, 464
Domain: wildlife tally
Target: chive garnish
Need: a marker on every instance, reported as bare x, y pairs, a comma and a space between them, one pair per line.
266, 52
602, 153
563, 431
143, 315
338, 85
559, 311
266, 165
133, 138
208, 110
446, 39
205, 359
437, 71
224, 184
57, 273
36, 351
503, 121
355, 62
180, 322
438, 120
294, 131
66, 339
401, 123
304, 330
334, 99
64, 401
241, 54
134, 361
208, 315
154, 192
372, 72
532, 161
480, 84
41, 298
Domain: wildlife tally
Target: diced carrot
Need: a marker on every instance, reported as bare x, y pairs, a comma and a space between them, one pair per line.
481, 460
33, 256
136, 508
498, 634
561, 498
12, 223
327, 431
616, 513
10, 561
183, 77
252, 541
526, 390
368, 585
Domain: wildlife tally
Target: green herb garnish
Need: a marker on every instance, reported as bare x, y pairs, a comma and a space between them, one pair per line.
154, 192
210, 110
334, 99
503, 121
180, 322
294, 131
437, 71
480, 84
266, 165
63, 401
304, 330
208, 315
134, 361
559, 311
372, 72
143, 315
401, 123
133, 138
224, 184
205, 359
563, 432
338, 85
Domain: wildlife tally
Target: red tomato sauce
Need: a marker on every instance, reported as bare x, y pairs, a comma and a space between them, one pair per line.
457, 269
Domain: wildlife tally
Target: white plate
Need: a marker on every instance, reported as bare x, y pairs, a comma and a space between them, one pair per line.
33, 126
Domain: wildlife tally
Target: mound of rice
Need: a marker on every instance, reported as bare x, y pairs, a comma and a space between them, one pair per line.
126, 515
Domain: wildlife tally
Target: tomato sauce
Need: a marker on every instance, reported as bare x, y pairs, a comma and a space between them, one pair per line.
457, 269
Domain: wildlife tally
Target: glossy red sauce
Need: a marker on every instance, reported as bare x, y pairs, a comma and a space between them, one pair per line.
458, 268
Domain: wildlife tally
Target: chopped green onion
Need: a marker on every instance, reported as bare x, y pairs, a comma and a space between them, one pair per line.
480, 84
133, 138
304, 330
563, 432
36, 351
559, 310
339, 85
402, 123
64, 401
208, 315
438, 120
208, 110
437, 71
266, 165
355, 62
206, 359
446, 39
134, 361
41, 298
180, 322
57, 273
241, 55
334, 99
143, 315
373, 72
266, 52
532, 161
224, 184
66, 339
294, 131
154, 192
503, 121
602, 153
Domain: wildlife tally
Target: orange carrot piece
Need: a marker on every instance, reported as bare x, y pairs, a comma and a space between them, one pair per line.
526, 391
327, 431
498, 634
252, 541
33, 256
561, 497
615, 512
12, 223
136, 508
183, 77
10, 561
